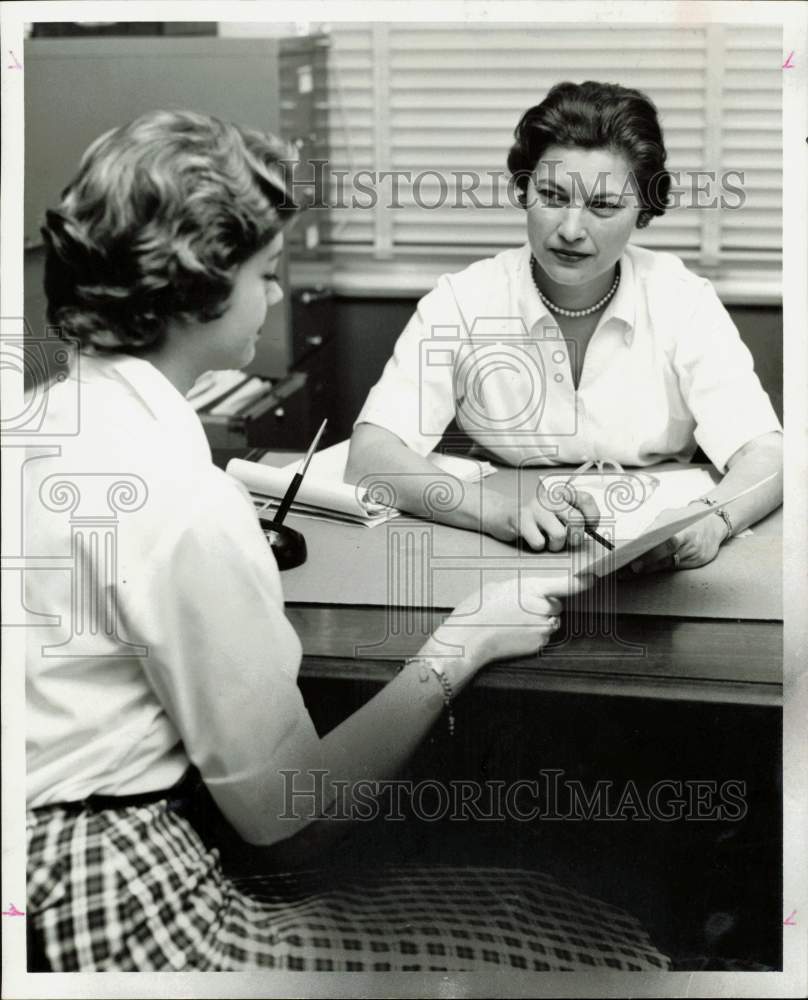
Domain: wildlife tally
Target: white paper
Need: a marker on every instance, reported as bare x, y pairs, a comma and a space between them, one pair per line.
212, 385
252, 389
305, 80
665, 525
323, 493
661, 490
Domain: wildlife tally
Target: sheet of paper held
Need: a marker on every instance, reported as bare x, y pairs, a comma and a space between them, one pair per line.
664, 526
632, 499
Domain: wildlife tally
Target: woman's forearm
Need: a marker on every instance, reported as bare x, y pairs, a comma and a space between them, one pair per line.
363, 752
380, 455
511, 617
749, 465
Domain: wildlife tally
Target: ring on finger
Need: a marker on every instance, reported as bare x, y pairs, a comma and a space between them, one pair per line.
675, 560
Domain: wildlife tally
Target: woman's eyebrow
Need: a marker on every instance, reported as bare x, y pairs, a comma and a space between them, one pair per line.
598, 193
549, 183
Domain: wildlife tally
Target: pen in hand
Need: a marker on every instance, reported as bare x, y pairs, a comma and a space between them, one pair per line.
297, 479
594, 534
599, 538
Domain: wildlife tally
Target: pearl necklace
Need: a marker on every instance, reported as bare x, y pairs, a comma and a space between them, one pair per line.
574, 313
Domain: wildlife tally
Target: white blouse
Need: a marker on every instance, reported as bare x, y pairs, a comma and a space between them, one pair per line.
665, 370
168, 640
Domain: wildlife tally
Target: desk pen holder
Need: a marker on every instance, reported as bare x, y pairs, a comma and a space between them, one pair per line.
288, 545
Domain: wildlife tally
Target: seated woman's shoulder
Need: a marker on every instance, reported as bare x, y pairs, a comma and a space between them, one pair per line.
488, 277
664, 270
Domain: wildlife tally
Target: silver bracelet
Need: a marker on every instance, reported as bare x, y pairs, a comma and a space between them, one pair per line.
718, 510
445, 683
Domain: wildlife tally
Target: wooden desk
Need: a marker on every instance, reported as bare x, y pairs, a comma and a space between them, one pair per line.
712, 634
683, 659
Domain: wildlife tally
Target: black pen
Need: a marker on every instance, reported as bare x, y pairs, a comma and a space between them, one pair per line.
591, 531
297, 479
599, 538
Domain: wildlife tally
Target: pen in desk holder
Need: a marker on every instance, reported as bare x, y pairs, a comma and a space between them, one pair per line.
288, 545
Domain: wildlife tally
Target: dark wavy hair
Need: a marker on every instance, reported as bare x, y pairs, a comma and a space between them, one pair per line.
595, 115
155, 224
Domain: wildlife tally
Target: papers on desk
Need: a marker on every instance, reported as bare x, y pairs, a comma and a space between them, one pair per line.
643, 509
324, 495
664, 526
331, 500
632, 500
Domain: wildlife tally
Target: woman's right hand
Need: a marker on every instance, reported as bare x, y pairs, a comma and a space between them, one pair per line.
547, 521
507, 618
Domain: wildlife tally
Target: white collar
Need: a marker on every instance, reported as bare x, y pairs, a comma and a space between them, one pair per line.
146, 382
622, 307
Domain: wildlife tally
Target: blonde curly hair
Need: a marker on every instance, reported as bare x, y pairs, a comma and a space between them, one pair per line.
159, 217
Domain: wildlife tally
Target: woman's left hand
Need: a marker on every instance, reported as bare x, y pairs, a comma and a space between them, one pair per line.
695, 546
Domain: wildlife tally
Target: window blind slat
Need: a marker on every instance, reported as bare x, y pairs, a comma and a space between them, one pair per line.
440, 38
456, 91
539, 82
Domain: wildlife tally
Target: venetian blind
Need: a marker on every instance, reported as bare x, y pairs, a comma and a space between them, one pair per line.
432, 100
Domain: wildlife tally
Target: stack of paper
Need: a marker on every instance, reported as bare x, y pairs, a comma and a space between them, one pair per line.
215, 385
322, 498
324, 495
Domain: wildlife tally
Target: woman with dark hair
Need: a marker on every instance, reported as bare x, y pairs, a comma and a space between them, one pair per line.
162, 681
578, 347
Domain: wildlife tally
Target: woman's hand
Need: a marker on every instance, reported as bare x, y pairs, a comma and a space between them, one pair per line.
512, 617
553, 519
695, 546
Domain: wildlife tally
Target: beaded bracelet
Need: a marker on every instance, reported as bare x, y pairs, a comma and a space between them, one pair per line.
718, 510
445, 683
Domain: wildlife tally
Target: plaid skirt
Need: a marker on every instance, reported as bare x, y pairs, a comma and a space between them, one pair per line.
136, 889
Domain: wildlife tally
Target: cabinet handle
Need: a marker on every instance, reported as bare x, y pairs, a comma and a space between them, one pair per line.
314, 341
318, 294
280, 413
